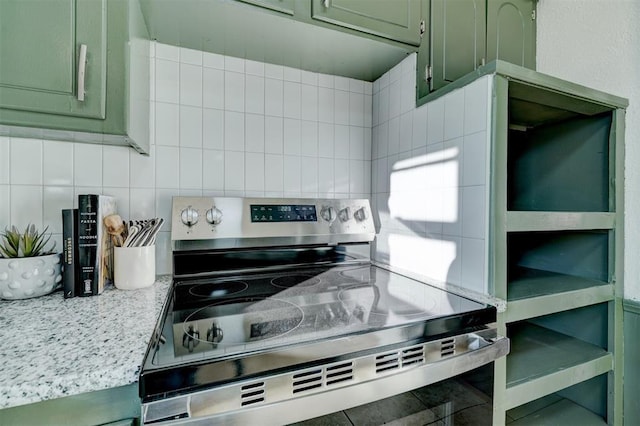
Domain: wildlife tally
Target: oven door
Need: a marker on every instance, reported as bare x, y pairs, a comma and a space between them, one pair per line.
466, 399
341, 384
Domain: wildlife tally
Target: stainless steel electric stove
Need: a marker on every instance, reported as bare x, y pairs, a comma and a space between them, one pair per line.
276, 314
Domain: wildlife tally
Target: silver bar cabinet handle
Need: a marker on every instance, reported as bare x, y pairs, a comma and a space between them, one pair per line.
82, 61
326, 3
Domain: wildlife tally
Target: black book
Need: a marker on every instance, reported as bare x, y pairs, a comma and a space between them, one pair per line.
69, 251
95, 250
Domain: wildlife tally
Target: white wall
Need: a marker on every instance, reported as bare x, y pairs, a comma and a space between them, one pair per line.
219, 126
430, 180
597, 43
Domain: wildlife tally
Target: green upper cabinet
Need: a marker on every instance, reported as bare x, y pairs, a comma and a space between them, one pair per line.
458, 29
284, 6
466, 34
40, 44
359, 39
398, 20
54, 52
511, 32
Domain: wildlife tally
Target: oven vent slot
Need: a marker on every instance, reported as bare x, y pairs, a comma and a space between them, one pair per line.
447, 347
307, 380
252, 394
414, 355
328, 376
387, 362
339, 373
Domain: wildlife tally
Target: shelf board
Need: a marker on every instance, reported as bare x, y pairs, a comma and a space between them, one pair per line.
522, 221
543, 361
560, 411
533, 292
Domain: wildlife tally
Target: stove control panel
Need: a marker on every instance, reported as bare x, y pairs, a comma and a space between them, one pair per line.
240, 222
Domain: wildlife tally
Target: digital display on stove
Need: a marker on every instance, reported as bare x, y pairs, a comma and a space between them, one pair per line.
283, 213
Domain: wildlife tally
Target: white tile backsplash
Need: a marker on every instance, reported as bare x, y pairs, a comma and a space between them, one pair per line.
26, 161
234, 171
233, 91
291, 174
356, 143
26, 205
4, 160
254, 171
325, 140
341, 107
233, 131
254, 133
291, 99
273, 135
87, 165
5, 205
167, 124
326, 105
213, 170
190, 127
341, 141
291, 136
429, 178
273, 97
190, 84
274, 165
212, 128
57, 163
190, 168
254, 94
142, 171
309, 102
309, 138
167, 167
454, 115
167, 85
115, 167
212, 88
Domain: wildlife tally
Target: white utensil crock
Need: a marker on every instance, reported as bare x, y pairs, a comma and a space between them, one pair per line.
134, 267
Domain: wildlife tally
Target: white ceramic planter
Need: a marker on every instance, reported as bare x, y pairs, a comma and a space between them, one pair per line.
26, 277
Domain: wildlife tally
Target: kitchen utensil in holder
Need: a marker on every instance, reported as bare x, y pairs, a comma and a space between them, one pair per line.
134, 267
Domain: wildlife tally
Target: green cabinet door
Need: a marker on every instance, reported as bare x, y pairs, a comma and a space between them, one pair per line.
511, 32
397, 20
39, 45
284, 6
457, 39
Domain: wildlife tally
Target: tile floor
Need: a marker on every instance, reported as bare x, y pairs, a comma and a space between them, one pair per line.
453, 402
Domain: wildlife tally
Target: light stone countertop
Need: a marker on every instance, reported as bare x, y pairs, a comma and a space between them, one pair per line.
51, 347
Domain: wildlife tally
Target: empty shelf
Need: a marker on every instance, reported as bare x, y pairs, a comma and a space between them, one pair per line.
543, 361
522, 221
560, 411
533, 292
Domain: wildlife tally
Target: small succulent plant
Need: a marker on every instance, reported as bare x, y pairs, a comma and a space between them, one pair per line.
29, 243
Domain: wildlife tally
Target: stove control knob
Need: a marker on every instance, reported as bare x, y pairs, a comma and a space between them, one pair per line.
344, 214
214, 334
361, 214
189, 216
191, 338
214, 216
328, 214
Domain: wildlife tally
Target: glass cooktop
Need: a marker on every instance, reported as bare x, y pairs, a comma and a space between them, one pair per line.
221, 317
